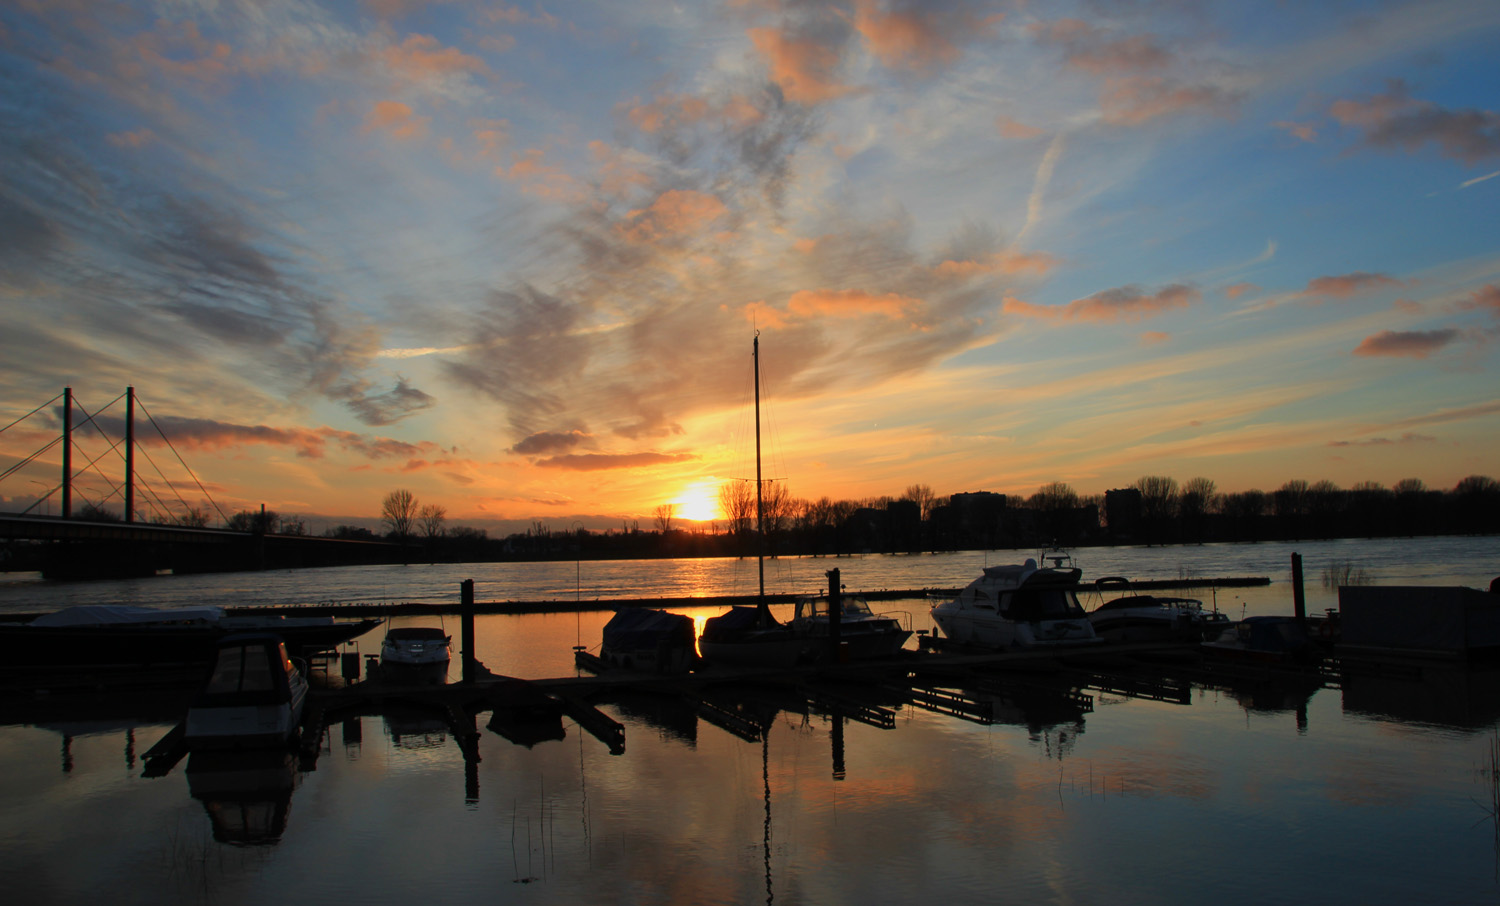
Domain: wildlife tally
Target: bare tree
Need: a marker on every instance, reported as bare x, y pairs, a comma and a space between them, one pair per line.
247, 521
399, 511
922, 496
1158, 497
431, 518
664, 514
737, 503
776, 507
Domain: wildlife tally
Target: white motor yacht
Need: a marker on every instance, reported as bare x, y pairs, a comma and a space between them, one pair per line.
1147, 617
1017, 606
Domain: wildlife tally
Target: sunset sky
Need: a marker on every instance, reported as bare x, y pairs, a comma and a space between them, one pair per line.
512, 257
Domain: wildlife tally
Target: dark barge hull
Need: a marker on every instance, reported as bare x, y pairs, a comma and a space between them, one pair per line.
25, 647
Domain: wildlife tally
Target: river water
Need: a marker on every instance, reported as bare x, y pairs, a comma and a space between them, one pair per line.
1367, 788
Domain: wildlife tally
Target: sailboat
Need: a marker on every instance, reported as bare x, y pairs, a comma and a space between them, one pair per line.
751, 636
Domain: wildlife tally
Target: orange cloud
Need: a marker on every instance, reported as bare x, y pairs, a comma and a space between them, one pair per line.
674, 212
165, 48
1126, 303
1416, 344
1346, 285
1009, 263
539, 177
1239, 289
1010, 128
1305, 131
910, 38
1397, 120
1133, 100
1153, 337
397, 119
492, 136
422, 56
594, 462
850, 303
666, 110
804, 69
1486, 297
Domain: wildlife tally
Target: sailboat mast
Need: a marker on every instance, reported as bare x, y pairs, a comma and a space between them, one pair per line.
760, 528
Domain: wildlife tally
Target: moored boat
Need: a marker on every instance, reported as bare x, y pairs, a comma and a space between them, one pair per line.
1017, 606
119, 636
254, 696
416, 647
653, 641
863, 634
1266, 640
751, 636
1147, 617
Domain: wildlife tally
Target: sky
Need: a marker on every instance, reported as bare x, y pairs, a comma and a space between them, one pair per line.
513, 257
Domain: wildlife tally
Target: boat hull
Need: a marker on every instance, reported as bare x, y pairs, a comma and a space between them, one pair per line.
997, 633
145, 646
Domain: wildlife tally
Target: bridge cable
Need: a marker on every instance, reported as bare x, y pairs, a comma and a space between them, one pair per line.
30, 414
152, 419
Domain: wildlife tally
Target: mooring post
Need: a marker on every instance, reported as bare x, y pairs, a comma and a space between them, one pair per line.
466, 628
835, 615
1299, 601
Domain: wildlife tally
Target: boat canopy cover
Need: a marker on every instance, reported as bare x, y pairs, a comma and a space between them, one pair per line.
638, 627
120, 615
737, 621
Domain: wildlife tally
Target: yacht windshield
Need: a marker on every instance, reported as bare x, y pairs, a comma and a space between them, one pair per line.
1029, 604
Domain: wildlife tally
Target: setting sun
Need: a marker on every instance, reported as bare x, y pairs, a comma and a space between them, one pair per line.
699, 502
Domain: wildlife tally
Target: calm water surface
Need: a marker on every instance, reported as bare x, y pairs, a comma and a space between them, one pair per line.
1369, 789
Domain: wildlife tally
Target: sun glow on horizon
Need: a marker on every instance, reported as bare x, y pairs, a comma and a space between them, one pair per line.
698, 502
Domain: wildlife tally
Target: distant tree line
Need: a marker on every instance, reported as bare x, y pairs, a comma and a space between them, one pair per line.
1153, 510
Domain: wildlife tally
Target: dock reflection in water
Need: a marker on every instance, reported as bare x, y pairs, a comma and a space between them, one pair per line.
1026, 786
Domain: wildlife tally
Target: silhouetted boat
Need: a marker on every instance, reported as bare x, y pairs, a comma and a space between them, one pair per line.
1266, 640
1018, 606
751, 636
254, 696
1146, 617
114, 636
653, 641
863, 634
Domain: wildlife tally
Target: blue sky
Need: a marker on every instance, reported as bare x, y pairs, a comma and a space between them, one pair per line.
511, 257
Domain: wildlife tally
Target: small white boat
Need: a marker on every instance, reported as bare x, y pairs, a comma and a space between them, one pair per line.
1017, 606
863, 634
254, 696
1146, 617
416, 647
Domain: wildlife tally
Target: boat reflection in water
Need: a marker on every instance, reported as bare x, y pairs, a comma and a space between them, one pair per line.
247, 794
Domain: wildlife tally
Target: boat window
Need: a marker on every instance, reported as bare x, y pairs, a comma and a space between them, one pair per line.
1042, 604
242, 670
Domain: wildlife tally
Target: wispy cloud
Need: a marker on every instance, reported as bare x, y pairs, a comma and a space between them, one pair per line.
596, 462
1126, 303
1416, 344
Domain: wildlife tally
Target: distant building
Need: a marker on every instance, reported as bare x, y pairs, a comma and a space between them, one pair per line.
1122, 513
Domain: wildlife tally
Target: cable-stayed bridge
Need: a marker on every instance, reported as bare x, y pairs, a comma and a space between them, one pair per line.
157, 528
